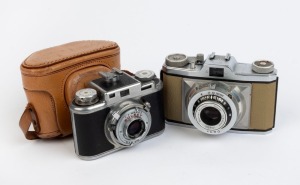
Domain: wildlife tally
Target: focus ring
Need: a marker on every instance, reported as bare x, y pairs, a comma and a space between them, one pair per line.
212, 98
117, 128
218, 100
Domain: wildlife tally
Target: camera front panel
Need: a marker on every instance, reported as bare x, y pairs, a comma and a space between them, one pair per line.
156, 111
177, 88
263, 106
89, 134
259, 100
214, 107
172, 93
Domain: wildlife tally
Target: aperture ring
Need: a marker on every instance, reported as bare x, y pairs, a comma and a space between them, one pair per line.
219, 100
125, 120
119, 119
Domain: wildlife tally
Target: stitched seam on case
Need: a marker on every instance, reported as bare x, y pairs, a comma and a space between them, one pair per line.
73, 56
83, 76
62, 89
57, 131
100, 60
51, 98
52, 106
54, 110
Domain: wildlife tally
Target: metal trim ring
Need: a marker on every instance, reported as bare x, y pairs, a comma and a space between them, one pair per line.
216, 105
118, 121
125, 120
263, 66
208, 129
176, 60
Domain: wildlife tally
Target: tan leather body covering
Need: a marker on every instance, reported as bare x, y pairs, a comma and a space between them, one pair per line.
263, 106
52, 76
263, 102
172, 93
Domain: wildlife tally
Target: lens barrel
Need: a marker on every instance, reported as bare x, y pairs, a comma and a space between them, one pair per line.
213, 107
136, 128
128, 123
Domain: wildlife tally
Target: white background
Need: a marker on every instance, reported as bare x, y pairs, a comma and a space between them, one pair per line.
146, 33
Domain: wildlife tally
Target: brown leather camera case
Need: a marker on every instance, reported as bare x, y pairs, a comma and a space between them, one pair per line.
52, 76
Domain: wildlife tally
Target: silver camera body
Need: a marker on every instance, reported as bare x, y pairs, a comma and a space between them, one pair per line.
219, 94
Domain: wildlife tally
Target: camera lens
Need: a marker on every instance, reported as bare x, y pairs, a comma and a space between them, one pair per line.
136, 128
215, 107
129, 123
210, 116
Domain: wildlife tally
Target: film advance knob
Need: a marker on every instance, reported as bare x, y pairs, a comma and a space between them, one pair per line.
145, 75
176, 60
263, 66
86, 96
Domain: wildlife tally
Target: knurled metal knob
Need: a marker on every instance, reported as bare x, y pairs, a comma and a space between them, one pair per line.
86, 96
263, 66
145, 75
176, 60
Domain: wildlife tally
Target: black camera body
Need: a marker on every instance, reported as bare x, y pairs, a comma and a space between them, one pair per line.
119, 110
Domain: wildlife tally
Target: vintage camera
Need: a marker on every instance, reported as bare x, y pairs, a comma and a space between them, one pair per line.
218, 94
119, 110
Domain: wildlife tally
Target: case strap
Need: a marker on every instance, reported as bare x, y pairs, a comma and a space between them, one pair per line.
29, 117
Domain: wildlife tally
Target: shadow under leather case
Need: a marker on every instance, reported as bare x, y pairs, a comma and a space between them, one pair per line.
51, 78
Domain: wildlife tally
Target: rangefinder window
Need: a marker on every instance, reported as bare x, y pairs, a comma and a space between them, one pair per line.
124, 93
217, 72
112, 95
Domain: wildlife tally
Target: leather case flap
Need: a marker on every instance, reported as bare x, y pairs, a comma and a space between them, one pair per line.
46, 61
52, 76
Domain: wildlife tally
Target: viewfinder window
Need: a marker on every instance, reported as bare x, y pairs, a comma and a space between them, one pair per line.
124, 93
217, 72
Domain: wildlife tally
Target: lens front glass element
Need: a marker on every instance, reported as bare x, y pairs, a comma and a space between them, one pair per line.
210, 116
211, 113
136, 128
